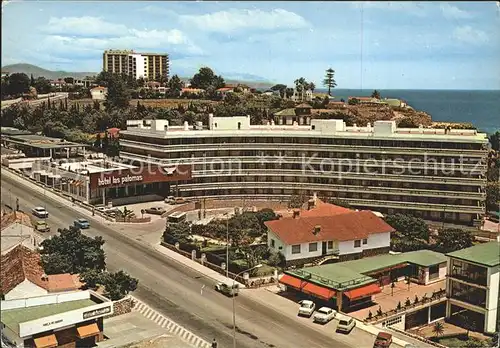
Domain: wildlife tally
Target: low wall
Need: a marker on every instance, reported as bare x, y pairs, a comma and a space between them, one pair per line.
251, 282
133, 220
122, 306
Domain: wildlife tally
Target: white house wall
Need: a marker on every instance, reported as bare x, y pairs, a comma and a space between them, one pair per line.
492, 299
374, 241
24, 290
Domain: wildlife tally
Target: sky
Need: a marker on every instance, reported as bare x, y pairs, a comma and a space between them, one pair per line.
383, 45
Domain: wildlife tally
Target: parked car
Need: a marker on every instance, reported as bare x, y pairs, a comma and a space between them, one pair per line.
40, 212
383, 340
227, 289
306, 308
155, 210
81, 223
324, 315
346, 324
175, 200
170, 200
42, 226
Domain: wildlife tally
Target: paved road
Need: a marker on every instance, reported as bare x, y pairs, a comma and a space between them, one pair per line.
175, 290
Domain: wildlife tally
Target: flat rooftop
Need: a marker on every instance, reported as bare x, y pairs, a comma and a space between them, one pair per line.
352, 274
97, 166
43, 142
487, 254
13, 317
322, 129
13, 131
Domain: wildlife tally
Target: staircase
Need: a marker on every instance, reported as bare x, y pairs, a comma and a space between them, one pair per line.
324, 258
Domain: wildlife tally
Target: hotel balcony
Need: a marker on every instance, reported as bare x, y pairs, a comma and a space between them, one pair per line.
468, 168
304, 147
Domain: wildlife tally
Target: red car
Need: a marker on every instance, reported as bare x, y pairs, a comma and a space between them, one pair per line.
383, 340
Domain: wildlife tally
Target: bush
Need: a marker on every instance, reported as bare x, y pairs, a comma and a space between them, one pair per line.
276, 258
399, 305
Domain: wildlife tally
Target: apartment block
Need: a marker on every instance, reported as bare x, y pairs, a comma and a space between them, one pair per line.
473, 284
436, 174
150, 66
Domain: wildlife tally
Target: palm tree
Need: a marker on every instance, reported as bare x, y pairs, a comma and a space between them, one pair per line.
438, 328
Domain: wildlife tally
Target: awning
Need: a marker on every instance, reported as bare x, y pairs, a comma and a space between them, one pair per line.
48, 341
89, 330
364, 291
318, 291
307, 288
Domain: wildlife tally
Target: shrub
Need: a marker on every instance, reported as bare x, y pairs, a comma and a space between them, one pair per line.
399, 305
370, 315
379, 311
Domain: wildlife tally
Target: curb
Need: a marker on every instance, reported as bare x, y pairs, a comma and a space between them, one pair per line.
168, 324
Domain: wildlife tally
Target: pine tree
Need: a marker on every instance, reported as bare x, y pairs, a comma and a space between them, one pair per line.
329, 80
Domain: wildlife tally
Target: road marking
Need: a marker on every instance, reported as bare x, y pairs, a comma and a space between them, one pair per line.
169, 324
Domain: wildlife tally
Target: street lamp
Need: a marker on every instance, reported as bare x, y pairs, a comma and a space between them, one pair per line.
227, 244
234, 307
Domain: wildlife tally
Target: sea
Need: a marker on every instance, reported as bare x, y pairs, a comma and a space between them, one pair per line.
481, 108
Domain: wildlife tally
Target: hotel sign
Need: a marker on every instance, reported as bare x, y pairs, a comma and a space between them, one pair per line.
119, 180
145, 175
96, 312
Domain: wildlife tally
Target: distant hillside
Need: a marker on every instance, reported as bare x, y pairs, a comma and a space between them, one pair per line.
29, 69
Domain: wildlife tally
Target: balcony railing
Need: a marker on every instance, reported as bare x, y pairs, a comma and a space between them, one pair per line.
338, 188
368, 163
472, 278
303, 147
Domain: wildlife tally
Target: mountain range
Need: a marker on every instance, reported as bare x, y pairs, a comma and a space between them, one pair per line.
29, 69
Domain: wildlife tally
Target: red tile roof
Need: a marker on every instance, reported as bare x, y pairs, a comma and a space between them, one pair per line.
341, 227
324, 209
21, 263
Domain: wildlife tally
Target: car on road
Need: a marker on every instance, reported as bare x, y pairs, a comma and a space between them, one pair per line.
156, 210
175, 200
383, 340
227, 289
42, 226
324, 315
346, 324
81, 223
306, 308
40, 212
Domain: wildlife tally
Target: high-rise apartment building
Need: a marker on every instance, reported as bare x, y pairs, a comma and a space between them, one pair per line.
150, 66
436, 174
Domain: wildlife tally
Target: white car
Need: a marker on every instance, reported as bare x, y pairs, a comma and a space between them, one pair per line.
40, 212
346, 324
306, 308
324, 315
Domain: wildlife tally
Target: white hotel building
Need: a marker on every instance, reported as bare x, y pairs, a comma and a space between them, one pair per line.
433, 173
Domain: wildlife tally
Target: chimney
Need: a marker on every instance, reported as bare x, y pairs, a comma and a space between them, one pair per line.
317, 229
296, 213
44, 277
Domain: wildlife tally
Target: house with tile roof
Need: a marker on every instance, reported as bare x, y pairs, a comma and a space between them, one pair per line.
473, 287
300, 115
328, 232
22, 276
17, 229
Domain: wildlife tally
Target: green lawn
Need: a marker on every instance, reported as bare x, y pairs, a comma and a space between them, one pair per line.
452, 342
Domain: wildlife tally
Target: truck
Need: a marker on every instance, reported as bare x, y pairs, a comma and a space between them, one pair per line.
42, 226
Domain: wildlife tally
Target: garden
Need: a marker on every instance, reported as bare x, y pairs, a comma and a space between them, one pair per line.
243, 236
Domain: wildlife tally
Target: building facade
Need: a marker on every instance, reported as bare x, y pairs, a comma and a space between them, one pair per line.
313, 237
150, 66
436, 174
473, 287
73, 319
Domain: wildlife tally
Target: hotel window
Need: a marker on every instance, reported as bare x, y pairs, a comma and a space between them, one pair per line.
313, 247
296, 249
357, 243
330, 244
365, 241
272, 243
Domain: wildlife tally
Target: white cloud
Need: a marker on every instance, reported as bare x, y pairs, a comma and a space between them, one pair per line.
233, 19
89, 36
453, 12
413, 8
83, 26
469, 35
